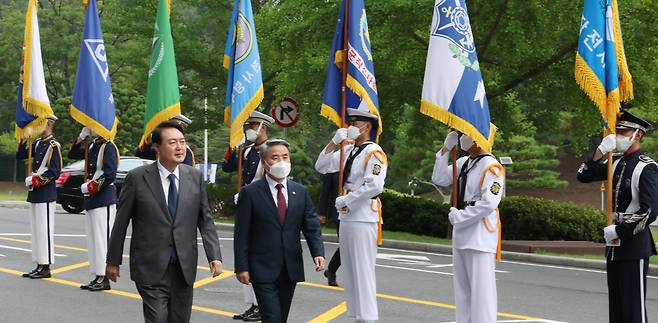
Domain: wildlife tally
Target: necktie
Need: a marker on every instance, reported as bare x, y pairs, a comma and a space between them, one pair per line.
281, 203
172, 198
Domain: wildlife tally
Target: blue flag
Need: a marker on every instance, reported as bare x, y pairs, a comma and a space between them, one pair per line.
361, 85
453, 89
27, 125
244, 86
93, 103
601, 70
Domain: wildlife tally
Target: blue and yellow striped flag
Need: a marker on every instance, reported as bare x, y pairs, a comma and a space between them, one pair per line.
360, 82
244, 86
601, 70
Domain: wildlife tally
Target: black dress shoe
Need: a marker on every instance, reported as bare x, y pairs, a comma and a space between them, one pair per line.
331, 278
44, 272
254, 316
34, 271
102, 284
92, 282
246, 313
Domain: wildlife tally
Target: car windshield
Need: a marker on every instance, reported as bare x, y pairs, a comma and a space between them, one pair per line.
78, 165
127, 164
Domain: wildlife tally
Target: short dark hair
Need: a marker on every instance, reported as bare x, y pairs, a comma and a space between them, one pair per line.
271, 143
156, 135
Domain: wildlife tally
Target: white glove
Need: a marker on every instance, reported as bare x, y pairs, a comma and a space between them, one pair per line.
235, 198
451, 140
609, 233
453, 213
341, 204
84, 133
28, 181
84, 188
608, 144
341, 134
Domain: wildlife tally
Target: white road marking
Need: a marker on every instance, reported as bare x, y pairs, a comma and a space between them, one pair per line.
56, 235
1, 255
26, 250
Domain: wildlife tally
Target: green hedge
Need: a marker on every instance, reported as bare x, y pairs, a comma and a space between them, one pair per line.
523, 218
530, 218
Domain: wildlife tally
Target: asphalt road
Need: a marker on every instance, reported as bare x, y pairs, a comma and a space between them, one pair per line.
413, 286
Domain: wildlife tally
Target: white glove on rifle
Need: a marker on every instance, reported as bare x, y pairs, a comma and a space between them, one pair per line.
609, 233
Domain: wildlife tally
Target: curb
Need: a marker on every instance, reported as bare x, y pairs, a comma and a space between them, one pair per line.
507, 255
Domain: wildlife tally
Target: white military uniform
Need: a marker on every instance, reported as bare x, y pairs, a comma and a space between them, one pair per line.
476, 234
359, 225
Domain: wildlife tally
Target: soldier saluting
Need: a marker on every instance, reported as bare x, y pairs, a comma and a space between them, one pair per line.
635, 196
44, 170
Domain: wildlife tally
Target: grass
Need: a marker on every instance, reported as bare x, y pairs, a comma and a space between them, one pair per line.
13, 196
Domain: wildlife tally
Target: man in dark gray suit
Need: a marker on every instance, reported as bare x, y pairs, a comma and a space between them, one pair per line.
166, 202
272, 212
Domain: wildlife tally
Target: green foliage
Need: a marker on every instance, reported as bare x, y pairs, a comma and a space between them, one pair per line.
534, 163
530, 218
523, 218
407, 213
526, 53
7, 144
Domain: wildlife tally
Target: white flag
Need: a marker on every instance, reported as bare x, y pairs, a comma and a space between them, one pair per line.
35, 97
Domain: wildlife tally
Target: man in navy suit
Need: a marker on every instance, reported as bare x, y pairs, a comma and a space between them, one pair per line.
271, 213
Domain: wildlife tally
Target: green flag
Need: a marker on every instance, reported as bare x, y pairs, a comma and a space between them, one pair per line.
162, 96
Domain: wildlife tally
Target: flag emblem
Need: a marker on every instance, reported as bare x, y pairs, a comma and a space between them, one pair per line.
244, 43
96, 48
452, 23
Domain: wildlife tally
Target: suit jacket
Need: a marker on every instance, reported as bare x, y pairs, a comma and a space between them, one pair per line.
262, 244
142, 201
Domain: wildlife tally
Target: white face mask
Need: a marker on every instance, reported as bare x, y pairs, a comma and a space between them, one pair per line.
465, 142
623, 143
280, 170
353, 132
251, 135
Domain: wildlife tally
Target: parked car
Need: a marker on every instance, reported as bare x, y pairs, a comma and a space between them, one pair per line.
72, 176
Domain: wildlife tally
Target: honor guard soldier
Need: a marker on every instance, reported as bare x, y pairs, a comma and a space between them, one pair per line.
148, 152
476, 226
255, 134
100, 199
359, 209
635, 196
42, 195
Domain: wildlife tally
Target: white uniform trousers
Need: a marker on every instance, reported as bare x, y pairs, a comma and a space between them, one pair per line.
42, 226
474, 281
249, 295
99, 224
358, 253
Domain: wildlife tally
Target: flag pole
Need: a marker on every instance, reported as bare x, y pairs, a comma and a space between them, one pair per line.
455, 183
86, 160
28, 169
343, 96
239, 156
